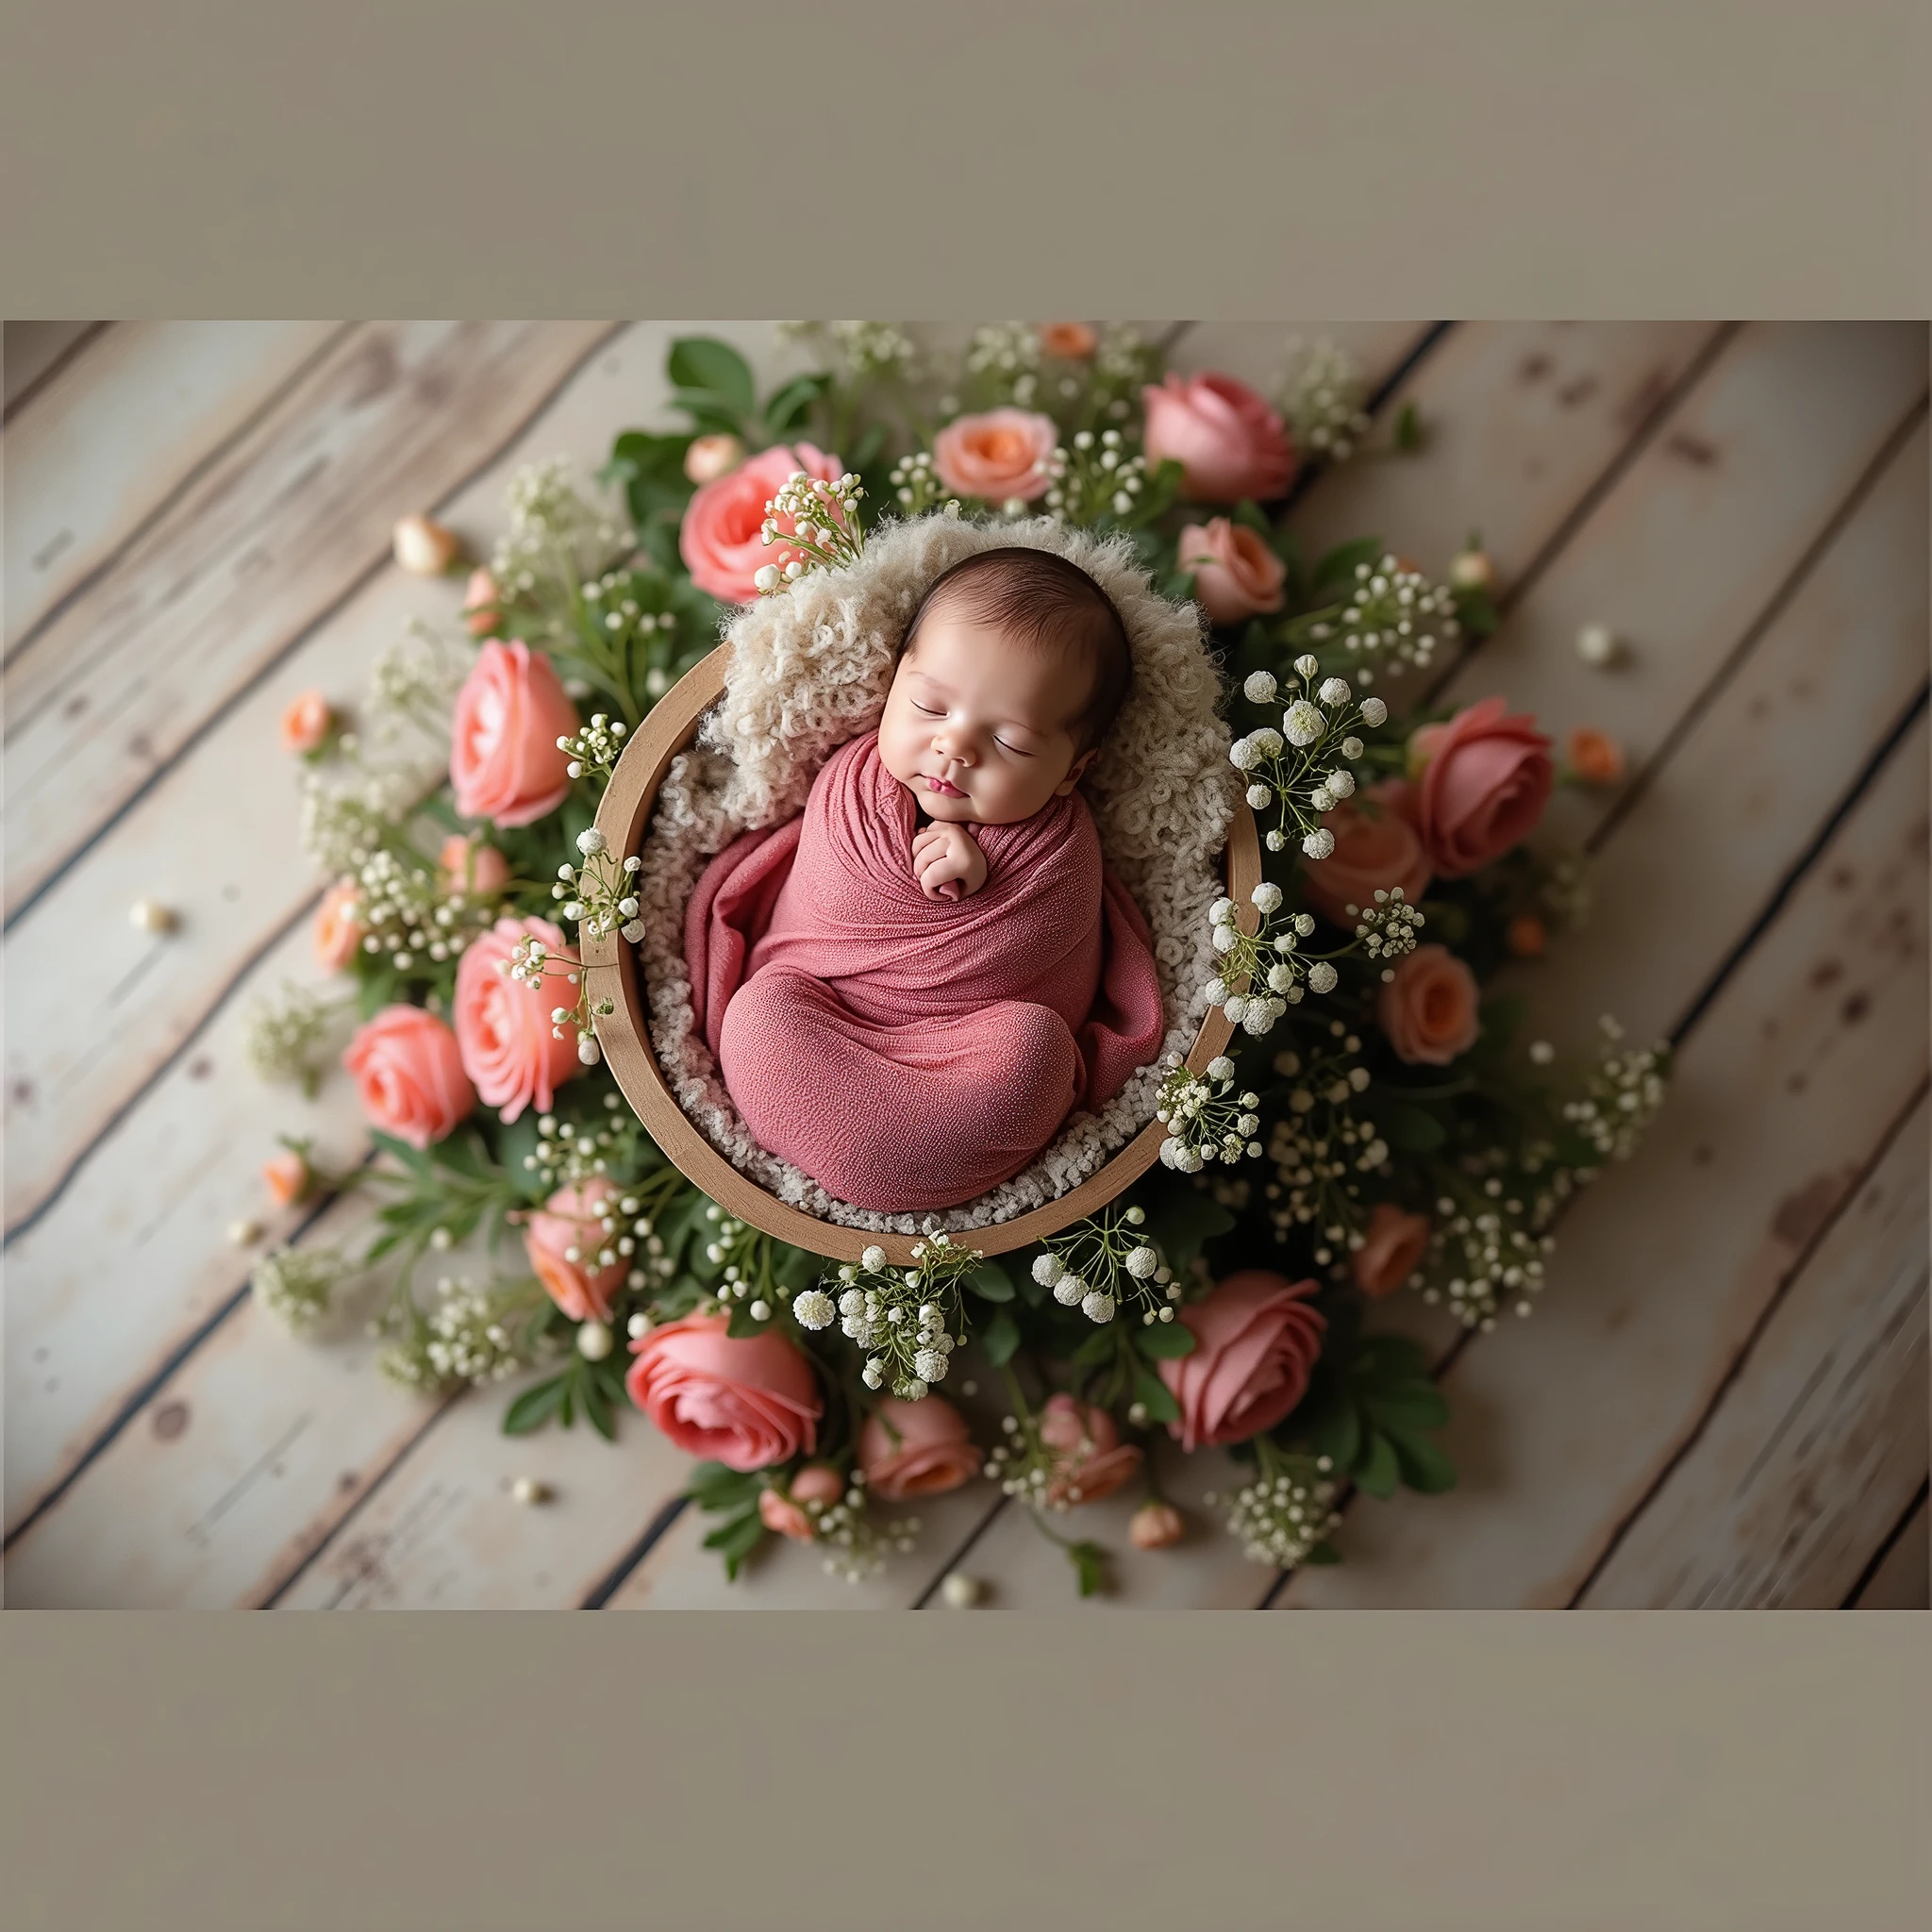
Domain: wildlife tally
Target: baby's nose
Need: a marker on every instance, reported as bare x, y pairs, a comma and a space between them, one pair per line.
953, 744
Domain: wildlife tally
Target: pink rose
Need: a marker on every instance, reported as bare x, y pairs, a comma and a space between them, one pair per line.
504, 759
746, 1404
481, 600
1075, 341
1373, 852
1236, 574
573, 1219
338, 931
708, 457
722, 539
1486, 777
1428, 1011
1256, 1339
1155, 1526
998, 456
1091, 1461
478, 870
1393, 1244
916, 1449
784, 1512
306, 723
509, 1046
1228, 442
409, 1074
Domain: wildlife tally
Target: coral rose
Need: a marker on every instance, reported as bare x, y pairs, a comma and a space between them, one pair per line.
1526, 936
480, 599
1485, 778
1075, 340
708, 457
722, 539
1091, 1461
1236, 574
1393, 1244
338, 931
1155, 1526
1374, 852
916, 1449
746, 1404
1228, 442
306, 723
470, 867
572, 1220
998, 456
784, 1512
409, 1074
508, 1045
1595, 757
287, 1177
504, 759
1256, 1339
1428, 1011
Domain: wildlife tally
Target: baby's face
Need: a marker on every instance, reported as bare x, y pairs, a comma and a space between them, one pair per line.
980, 729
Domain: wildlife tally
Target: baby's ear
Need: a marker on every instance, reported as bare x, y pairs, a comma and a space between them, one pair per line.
1076, 771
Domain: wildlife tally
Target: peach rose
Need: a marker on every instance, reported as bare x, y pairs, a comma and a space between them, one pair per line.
1075, 340
746, 1404
1155, 1526
1236, 574
480, 598
409, 1074
504, 760
1393, 1244
1428, 1011
287, 1177
1595, 757
708, 457
999, 455
1256, 1339
338, 931
573, 1219
509, 1046
916, 1449
784, 1513
1373, 852
1228, 442
469, 866
1526, 936
1485, 778
1093, 1462
722, 537
306, 723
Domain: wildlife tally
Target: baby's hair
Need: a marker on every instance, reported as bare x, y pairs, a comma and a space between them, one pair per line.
1039, 599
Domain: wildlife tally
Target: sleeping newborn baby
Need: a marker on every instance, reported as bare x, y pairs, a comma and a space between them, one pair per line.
912, 985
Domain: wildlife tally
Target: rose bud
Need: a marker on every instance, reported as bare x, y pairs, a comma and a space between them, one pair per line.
711, 457
425, 549
1155, 1525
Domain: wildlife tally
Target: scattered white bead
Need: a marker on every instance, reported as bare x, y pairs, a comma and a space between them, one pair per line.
961, 1591
527, 1490
594, 1340
243, 1234
150, 915
1597, 644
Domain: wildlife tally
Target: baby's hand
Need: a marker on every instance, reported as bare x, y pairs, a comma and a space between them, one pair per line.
948, 861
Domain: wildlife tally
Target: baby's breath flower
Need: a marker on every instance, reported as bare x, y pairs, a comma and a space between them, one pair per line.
1323, 397
296, 1285
814, 1308
285, 1034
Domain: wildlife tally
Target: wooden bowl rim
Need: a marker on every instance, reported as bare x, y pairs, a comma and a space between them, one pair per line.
611, 972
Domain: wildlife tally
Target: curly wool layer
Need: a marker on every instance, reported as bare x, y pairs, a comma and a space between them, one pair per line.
809, 670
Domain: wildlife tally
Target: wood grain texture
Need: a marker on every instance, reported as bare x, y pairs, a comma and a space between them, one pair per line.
1816, 1450
1561, 1424
1902, 1579
106, 443
261, 545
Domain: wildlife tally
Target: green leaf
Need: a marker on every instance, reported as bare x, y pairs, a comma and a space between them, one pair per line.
1089, 1567
795, 1268
1000, 1338
1378, 1470
1413, 1130
1424, 1467
744, 1323
1154, 1396
1322, 1553
711, 1486
991, 1282
598, 1407
1335, 1431
416, 1160
1249, 512
534, 1407
703, 362
1098, 1347
1500, 1014
1165, 1341
735, 1540
1183, 1218
867, 452
791, 405
1408, 429
1407, 1408
1388, 1358
710, 413
1336, 567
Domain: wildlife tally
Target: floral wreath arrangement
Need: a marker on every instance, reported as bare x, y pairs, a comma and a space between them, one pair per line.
1374, 1126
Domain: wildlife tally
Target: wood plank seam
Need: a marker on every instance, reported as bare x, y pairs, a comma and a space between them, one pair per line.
78, 347
1776, 606
595, 1599
1884, 1549
266, 671
1740, 1361
185, 481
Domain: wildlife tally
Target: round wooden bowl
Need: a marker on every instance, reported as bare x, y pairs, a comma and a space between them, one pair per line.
625, 1034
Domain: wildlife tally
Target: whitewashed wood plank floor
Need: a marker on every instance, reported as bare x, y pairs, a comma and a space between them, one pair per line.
1701, 1411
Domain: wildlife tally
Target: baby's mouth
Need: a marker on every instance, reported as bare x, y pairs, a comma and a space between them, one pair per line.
940, 787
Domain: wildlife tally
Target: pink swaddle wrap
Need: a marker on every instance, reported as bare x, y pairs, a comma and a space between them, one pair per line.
910, 1052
